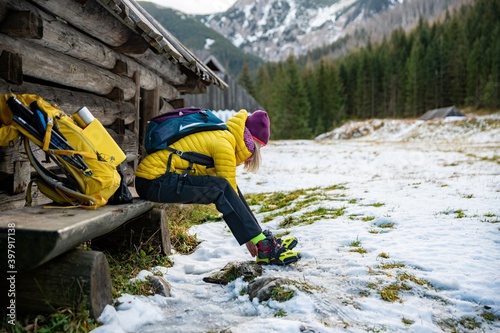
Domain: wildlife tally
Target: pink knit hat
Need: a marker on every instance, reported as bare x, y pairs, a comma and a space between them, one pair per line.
259, 126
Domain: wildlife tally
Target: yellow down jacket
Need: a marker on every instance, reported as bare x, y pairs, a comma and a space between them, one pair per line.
227, 148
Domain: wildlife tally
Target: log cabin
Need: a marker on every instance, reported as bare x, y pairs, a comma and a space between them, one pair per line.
108, 55
114, 58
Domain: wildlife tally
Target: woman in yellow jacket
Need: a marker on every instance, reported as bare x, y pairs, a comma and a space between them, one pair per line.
161, 180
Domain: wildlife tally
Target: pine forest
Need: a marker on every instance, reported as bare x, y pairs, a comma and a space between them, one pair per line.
455, 61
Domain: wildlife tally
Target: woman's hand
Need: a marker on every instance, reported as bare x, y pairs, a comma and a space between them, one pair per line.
252, 248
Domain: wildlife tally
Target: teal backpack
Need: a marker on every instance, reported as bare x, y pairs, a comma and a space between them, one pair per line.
167, 128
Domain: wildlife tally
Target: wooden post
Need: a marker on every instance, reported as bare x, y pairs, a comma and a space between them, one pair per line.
150, 107
151, 228
23, 24
77, 278
11, 67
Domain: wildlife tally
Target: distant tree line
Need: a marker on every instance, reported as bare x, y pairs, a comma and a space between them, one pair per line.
455, 62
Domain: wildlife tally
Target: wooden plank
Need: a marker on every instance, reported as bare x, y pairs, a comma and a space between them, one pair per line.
136, 44
90, 17
104, 109
64, 38
150, 109
11, 67
48, 65
139, 20
42, 234
165, 68
22, 24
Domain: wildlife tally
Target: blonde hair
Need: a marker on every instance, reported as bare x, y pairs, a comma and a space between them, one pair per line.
253, 163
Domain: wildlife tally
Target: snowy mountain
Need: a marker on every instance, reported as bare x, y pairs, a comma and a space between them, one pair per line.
274, 29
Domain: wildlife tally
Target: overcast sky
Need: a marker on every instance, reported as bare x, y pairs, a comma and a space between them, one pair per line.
196, 6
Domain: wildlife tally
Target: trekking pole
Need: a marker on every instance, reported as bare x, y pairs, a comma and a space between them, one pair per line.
57, 139
21, 114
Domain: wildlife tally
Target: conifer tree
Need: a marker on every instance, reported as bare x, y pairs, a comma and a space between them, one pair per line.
415, 80
294, 118
245, 80
263, 86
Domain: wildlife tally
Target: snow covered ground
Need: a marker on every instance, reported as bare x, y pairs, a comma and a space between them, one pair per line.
423, 201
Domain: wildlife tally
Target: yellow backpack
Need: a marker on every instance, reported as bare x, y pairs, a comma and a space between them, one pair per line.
88, 156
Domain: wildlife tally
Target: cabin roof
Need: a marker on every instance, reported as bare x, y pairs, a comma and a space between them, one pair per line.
160, 39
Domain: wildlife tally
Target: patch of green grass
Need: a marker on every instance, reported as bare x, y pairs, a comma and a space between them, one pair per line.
390, 293
182, 217
311, 217
460, 213
288, 222
273, 201
280, 313
359, 250
407, 321
383, 255
490, 218
125, 266
409, 277
192, 214
63, 320
490, 316
286, 203
322, 212
282, 294
356, 243
353, 201
391, 265
357, 247
457, 325
469, 323
386, 225
335, 187
368, 218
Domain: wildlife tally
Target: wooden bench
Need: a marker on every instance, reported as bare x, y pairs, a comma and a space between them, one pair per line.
47, 271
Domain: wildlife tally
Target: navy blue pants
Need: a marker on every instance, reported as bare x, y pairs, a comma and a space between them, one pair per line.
176, 188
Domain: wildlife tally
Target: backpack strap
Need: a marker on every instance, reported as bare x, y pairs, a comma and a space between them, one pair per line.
72, 197
192, 158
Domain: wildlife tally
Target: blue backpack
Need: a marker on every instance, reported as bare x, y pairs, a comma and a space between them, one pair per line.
167, 128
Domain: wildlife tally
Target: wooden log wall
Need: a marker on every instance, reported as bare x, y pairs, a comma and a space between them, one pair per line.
74, 54
234, 98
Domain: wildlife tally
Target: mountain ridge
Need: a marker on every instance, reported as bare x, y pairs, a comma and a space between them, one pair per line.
255, 31
276, 29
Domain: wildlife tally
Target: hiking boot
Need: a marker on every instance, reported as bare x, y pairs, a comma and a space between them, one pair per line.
288, 242
272, 253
